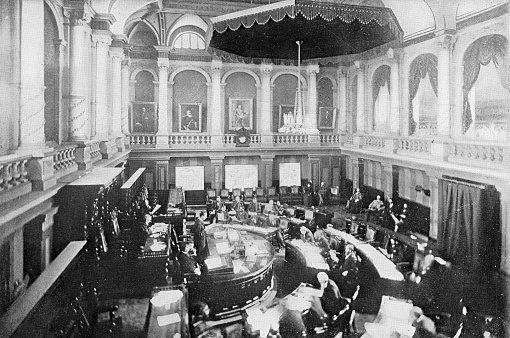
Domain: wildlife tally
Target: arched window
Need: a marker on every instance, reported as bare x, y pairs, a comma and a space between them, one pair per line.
486, 97
423, 95
381, 99
189, 40
143, 108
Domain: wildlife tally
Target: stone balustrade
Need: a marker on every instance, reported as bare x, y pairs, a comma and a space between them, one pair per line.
13, 171
146, 141
290, 139
64, 160
229, 139
330, 139
189, 140
95, 151
413, 145
377, 142
479, 153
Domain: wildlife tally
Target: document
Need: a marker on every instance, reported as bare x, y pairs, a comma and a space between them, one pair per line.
169, 319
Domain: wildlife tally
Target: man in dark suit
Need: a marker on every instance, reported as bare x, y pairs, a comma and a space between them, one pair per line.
200, 239
254, 206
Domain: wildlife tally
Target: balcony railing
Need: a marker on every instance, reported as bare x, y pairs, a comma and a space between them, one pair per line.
64, 160
376, 142
13, 173
290, 139
142, 140
190, 140
95, 151
414, 145
478, 153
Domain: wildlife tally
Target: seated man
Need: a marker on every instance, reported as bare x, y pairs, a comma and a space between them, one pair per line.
254, 205
215, 208
222, 215
375, 208
237, 205
354, 203
306, 234
331, 300
280, 208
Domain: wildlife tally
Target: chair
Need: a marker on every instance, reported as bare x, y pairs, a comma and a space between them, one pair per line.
284, 194
295, 196
211, 195
224, 194
271, 194
259, 193
248, 195
236, 192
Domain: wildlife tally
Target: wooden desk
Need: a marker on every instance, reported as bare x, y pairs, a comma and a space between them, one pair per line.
307, 259
161, 310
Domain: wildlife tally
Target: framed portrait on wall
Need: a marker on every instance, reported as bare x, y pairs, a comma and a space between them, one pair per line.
190, 117
240, 113
143, 118
327, 118
286, 115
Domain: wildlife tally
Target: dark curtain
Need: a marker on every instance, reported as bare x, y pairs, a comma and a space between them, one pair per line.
420, 67
481, 52
468, 233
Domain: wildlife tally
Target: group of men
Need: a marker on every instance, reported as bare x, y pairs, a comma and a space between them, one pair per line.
394, 218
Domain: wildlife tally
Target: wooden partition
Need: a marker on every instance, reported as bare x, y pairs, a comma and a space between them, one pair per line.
130, 189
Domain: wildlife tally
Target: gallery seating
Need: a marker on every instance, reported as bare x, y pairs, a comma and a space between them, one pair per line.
259, 192
211, 195
236, 192
248, 194
291, 195
224, 194
271, 194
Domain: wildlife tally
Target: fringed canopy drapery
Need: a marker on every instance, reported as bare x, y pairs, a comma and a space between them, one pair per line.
326, 29
420, 67
484, 50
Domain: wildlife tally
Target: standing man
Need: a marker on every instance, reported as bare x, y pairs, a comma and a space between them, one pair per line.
200, 239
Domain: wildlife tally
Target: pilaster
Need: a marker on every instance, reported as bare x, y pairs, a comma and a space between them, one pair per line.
356, 162
342, 98
117, 55
265, 119
217, 171
267, 162
444, 75
360, 104
314, 173
47, 238
101, 40
394, 122
387, 181
126, 63
162, 168
163, 64
434, 203
216, 115
311, 117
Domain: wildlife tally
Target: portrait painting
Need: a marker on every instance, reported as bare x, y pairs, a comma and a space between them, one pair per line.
327, 118
240, 113
143, 118
286, 115
190, 117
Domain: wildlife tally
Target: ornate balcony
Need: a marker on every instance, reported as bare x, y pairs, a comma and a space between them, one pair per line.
14, 177
64, 160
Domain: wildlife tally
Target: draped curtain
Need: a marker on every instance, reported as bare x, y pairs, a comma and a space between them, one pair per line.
381, 78
481, 52
420, 67
468, 233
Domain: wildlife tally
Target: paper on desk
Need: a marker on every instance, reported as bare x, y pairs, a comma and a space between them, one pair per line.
158, 246
168, 319
213, 263
239, 267
223, 248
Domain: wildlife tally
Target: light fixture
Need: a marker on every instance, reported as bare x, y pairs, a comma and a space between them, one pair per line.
419, 188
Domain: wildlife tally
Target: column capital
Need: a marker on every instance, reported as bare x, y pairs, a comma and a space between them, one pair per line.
267, 157
102, 21
394, 54
447, 41
266, 68
342, 71
101, 37
216, 65
163, 64
311, 70
360, 64
77, 14
163, 51
216, 158
116, 53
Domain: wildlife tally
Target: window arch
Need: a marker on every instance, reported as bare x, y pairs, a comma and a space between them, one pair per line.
486, 97
423, 95
381, 98
189, 40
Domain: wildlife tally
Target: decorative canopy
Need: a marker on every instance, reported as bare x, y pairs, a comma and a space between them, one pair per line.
326, 29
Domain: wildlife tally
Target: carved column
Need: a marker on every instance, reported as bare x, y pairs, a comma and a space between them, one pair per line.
117, 55
265, 119
102, 42
125, 93
77, 91
217, 172
266, 162
163, 64
342, 99
311, 116
394, 121
360, 104
216, 115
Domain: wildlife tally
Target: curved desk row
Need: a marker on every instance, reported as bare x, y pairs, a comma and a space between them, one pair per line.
385, 268
236, 280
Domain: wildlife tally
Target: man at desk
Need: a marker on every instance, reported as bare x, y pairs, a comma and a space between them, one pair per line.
254, 206
376, 208
354, 203
331, 300
216, 208
200, 239
238, 205
306, 234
